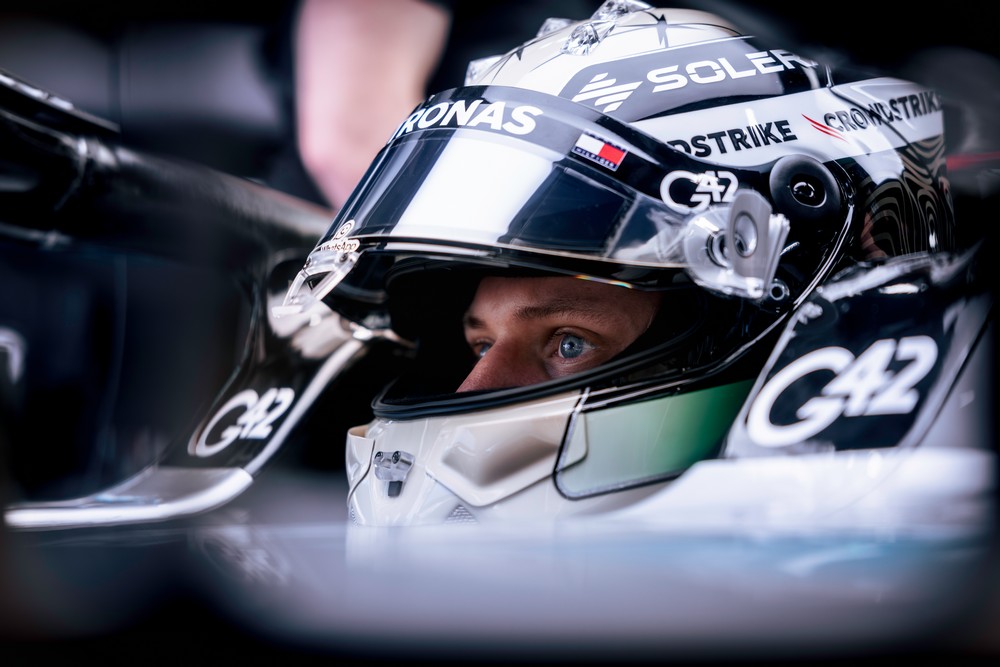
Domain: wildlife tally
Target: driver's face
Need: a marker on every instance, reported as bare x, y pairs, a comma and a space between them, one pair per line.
527, 330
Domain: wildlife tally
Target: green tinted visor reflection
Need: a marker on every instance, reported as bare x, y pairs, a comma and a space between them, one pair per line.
653, 440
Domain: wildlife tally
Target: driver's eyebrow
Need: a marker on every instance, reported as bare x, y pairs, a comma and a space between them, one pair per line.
577, 307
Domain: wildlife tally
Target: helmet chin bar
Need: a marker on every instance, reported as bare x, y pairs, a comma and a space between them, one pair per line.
735, 249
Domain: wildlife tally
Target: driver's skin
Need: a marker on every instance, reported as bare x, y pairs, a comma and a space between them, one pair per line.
530, 329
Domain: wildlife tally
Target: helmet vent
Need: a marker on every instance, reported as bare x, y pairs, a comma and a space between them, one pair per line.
460, 515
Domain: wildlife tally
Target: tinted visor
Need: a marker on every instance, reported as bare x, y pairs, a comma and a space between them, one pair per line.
516, 177
480, 190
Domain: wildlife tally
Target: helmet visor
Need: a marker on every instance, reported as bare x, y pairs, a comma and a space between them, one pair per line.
481, 191
517, 177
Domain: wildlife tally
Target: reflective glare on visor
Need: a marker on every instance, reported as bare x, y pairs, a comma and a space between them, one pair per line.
537, 204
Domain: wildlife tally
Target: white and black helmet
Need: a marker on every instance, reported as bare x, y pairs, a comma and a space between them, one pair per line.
655, 149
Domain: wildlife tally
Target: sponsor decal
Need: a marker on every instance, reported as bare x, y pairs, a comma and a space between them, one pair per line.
340, 244
748, 137
878, 114
600, 151
603, 91
752, 133
714, 71
496, 116
254, 420
862, 386
688, 192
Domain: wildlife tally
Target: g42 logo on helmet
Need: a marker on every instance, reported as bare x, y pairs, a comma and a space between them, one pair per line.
255, 422
862, 386
688, 192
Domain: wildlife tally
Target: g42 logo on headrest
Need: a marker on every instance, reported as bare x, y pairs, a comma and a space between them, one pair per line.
862, 386
255, 420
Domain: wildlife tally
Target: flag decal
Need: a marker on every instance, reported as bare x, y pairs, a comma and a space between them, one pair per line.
599, 151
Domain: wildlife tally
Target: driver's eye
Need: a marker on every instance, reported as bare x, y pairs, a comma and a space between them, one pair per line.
571, 346
483, 349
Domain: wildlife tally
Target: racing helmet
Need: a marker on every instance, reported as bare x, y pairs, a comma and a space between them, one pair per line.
648, 150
